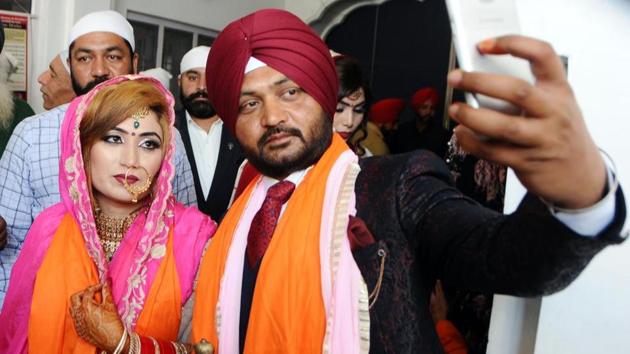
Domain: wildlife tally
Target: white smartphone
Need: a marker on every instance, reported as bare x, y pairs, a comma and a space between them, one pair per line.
475, 20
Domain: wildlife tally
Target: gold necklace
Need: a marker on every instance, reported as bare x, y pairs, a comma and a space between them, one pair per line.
112, 229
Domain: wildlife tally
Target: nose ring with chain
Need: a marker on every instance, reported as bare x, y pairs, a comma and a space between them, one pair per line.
136, 191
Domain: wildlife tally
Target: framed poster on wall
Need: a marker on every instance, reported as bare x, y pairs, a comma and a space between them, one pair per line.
16, 47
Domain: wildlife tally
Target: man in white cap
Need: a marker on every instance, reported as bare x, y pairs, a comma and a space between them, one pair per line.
163, 76
213, 153
56, 86
101, 46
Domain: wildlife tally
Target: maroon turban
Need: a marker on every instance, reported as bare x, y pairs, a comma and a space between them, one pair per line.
387, 110
280, 40
424, 94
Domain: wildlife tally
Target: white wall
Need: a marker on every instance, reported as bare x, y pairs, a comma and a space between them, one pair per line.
591, 315
213, 14
307, 10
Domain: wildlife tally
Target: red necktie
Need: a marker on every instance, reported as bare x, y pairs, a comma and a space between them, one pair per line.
265, 220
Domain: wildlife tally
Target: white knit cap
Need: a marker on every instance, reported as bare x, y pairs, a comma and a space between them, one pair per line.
103, 21
163, 76
194, 58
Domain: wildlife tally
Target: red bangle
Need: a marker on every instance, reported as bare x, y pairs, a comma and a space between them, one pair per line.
146, 345
166, 347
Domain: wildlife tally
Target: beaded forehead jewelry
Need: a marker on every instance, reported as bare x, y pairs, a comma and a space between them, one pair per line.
140, 114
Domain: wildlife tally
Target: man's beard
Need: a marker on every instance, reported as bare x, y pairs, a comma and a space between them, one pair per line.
305, 157
197, 109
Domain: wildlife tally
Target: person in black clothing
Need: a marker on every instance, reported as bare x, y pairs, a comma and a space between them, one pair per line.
214, 154
424, 132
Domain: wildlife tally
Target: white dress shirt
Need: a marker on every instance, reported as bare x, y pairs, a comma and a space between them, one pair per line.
205, 146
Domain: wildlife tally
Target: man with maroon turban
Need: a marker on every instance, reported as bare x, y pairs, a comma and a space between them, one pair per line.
307, 273
326, 253
426, 130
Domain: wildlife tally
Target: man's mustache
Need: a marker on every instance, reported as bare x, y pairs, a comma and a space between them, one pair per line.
94, 83
276, 130
196, 95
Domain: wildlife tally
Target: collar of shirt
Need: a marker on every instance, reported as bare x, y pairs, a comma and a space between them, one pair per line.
295, 177
191, 123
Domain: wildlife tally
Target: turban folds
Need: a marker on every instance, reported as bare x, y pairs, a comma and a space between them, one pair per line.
424, 94
283, 42
386, 110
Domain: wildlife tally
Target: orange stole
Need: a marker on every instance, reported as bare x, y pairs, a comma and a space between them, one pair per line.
66, 269
287, 314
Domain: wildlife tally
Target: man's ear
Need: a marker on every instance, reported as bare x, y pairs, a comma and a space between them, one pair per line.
135, 62
179, 80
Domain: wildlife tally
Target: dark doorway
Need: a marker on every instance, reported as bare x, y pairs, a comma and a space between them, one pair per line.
402, 45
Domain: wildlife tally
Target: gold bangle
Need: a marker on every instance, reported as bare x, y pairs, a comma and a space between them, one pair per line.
121, 342
134, 344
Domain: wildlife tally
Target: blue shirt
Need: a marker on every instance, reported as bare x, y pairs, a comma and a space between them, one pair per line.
29, 180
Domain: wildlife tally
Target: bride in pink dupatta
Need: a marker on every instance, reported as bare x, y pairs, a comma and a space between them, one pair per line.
117, 224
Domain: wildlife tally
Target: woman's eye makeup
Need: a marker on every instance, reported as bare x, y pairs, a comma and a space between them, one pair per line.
359, 109
113, 139
150, 144
147, 143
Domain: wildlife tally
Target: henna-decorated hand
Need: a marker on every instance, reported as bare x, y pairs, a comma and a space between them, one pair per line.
96, 318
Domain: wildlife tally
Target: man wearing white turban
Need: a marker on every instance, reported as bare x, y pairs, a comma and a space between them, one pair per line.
213, 153
101, 46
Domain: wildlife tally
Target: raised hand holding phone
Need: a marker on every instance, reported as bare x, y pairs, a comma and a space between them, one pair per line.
547, 145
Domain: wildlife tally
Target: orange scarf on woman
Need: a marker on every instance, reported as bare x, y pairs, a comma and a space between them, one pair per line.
287, 313
66, 269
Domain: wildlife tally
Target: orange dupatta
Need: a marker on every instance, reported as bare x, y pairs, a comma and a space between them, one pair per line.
66, 269
287, 313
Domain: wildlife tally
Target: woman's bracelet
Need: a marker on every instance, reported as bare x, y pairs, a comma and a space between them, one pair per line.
121, 342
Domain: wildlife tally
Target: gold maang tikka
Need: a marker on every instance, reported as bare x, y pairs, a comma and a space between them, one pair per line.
140, 114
